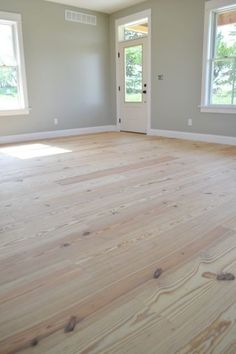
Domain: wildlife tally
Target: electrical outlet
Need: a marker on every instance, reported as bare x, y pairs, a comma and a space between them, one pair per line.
190, 122
55, 121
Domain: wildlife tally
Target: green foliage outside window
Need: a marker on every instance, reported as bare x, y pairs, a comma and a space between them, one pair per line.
224, 68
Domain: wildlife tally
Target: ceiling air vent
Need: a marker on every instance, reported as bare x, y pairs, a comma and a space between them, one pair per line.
81, 17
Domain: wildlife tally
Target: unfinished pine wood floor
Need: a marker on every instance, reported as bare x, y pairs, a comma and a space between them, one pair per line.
83, 232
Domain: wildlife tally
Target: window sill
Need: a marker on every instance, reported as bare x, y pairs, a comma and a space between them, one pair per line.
217, 109
15, 112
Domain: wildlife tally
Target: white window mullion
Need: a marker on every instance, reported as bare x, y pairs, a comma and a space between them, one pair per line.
211, 75
234, 82
17, 67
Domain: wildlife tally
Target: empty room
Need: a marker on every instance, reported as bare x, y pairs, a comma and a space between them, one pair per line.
117, 176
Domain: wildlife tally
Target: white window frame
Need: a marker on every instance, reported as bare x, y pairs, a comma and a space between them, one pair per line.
211, 8
15, 19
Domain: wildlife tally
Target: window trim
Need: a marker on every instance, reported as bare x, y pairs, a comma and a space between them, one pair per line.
211, 7
19, 45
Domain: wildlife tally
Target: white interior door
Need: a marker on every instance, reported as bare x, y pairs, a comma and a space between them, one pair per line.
133, 85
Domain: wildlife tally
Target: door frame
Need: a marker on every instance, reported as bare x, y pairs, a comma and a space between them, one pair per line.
122, 21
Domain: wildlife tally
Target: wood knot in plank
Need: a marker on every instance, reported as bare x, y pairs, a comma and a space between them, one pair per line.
70, 326
86, 233
225, 277
65, 245
34, 342
219, 277
209, 275
158, 273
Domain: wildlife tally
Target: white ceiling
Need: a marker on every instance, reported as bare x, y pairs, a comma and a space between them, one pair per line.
107, 6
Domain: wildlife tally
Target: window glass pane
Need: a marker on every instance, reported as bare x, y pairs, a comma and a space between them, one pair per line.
9, 85
9, 93
226, 34
224, 75
133, 74
7, 55
135, 31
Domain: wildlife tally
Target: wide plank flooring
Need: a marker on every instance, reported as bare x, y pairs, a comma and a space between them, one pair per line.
84, 224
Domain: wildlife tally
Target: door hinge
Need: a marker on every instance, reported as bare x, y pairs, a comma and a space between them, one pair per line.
119, 120
119, 55
118, 88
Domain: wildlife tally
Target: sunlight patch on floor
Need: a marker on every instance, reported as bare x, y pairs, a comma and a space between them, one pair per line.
31, 151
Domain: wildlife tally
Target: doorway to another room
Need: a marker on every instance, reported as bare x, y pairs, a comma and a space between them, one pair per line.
133, 72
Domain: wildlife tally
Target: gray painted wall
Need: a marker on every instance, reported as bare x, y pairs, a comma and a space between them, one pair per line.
67, 67
177, 46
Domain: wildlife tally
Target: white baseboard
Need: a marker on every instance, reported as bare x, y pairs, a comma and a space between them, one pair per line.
56, 134
208, 138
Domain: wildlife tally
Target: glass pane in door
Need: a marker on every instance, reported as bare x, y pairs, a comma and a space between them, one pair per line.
134, 74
